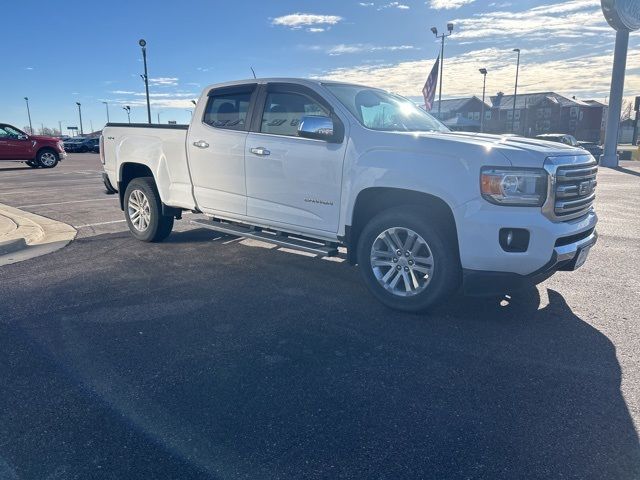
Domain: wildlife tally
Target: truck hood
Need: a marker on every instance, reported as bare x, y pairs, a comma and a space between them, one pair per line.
518, 151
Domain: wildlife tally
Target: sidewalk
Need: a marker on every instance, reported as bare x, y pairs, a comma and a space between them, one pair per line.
25, 235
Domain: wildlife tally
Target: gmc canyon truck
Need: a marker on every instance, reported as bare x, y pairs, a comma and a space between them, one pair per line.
35, 150
318, 165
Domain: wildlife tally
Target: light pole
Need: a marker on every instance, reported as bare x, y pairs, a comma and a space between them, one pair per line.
515, 93
484, 72
106, 104
60, 126
127, 109
26, 99
145, 77
442, 37
159, 112
80, 114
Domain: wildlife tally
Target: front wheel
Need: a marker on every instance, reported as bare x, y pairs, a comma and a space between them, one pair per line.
143, 211
47, 158
408, 262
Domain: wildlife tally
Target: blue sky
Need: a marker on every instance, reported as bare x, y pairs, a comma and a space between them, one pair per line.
88, 52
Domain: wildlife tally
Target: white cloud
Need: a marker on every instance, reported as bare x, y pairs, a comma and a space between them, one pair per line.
315, 29
448, 4
164, 81
343, 49
297, 21
585, 75
398, 5
570, 19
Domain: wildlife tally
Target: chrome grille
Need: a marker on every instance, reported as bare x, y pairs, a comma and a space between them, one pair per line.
572, 187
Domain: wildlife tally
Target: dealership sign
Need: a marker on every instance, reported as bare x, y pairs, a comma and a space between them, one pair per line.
622, 14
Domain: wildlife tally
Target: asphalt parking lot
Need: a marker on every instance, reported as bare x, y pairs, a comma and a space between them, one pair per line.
211, 357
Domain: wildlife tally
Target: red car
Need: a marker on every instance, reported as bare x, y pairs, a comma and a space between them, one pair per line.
35, 150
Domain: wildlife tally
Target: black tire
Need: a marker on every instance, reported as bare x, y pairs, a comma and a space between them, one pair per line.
32, 164
441, 240
47, 158
159, 226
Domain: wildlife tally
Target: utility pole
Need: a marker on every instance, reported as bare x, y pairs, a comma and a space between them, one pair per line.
60, 126
484, 72
624, 17
442, 37
106, 104
145, 77
515, 93
26, 99
80, 114
127, 109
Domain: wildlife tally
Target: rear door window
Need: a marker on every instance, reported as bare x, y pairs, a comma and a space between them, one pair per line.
229, 109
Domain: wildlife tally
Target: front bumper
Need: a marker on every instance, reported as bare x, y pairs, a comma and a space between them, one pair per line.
564, 258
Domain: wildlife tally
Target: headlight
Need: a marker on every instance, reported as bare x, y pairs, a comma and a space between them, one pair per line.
514, 186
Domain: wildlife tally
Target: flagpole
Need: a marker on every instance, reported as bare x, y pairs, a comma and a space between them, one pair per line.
442, 36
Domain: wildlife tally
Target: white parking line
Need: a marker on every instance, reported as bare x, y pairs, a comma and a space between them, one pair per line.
64, 203
98, 224
19, 192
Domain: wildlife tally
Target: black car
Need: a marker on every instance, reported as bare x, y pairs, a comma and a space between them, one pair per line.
591, 147
80, 144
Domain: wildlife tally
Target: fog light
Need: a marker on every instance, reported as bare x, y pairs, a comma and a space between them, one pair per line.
515, 240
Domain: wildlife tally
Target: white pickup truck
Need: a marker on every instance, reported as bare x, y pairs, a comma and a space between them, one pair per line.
317, 165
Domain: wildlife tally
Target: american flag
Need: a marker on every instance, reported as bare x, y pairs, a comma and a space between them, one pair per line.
429, 90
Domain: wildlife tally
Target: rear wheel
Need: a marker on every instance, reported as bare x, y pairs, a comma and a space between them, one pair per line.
408, 262
47, 158
143, 211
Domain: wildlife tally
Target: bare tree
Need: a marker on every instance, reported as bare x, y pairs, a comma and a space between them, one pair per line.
627, 110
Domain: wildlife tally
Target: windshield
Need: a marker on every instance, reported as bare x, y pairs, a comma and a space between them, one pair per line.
379, 110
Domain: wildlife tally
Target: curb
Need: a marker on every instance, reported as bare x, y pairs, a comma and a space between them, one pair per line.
34, 236
11, 246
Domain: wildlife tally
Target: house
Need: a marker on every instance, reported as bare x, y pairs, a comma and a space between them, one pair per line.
462, 113
535, 114
547, 112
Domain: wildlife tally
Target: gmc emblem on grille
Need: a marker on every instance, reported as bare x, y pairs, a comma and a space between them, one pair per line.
585, 188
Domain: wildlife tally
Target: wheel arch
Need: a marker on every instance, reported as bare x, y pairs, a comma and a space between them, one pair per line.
46, 148
129, 171
372, 201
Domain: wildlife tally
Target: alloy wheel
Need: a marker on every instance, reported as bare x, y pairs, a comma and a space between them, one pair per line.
402, 261
139, 210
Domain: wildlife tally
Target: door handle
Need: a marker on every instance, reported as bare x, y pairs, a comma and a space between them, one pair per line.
261, 151
201, 144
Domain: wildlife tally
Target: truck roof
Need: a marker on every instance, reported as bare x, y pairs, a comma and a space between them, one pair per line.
299, 81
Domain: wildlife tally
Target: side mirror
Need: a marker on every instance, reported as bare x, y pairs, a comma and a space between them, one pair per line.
317, 128
23, 137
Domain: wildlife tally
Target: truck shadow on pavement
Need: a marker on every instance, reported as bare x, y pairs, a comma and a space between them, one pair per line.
259, 364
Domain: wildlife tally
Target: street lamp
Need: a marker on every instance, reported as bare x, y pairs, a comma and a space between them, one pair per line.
106, 104
127, 109
194, 102
80, 114
159, 112
26, 99
484, 72
515, 93
442, 37
145, 77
